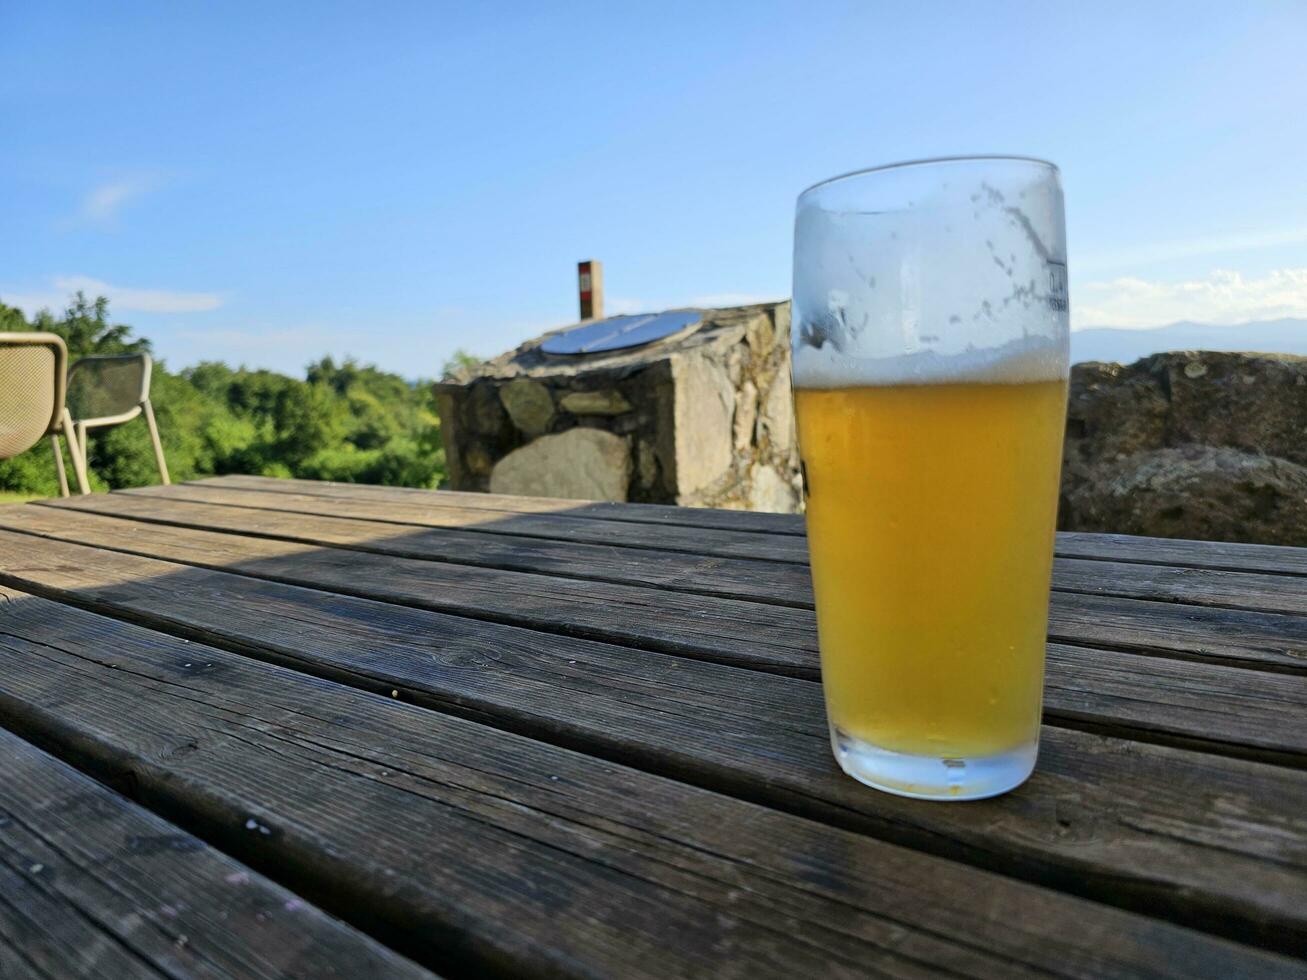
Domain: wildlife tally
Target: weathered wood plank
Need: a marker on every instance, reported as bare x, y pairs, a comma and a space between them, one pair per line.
725, 520
499, 853
1205, 840
1267, 641
742, 634
1110, 547
1255, 591
431, 510
1255, 716
778, 583
1178, 634
725, 630
1196, 554
94, 886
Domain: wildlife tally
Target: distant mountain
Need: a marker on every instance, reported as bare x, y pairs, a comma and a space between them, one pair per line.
1115, 344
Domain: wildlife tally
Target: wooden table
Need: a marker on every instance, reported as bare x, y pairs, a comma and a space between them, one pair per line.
262, 728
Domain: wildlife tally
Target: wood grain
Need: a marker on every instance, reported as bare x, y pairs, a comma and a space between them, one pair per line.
726, 520
786, 643
725, 630
776, 583
1230, 555
1117, 580
1129, 823
434, 510
503, 855
1255, 591
1253, 716
1264, 641
1210, 555
94, 886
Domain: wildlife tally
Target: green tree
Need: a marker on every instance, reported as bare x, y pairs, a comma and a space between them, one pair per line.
86, 329
459, 365
346, 421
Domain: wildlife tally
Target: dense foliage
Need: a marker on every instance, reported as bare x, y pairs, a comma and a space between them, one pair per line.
342, 422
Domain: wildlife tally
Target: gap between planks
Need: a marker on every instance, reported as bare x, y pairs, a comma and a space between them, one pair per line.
724, 629
670, 878
1220, 555
1091, 791
1190, 704
748, 580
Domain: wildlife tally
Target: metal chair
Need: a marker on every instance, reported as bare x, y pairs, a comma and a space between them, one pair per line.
111, 390
33, 380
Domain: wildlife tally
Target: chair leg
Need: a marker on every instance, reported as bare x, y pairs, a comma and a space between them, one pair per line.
79, 458
158, 446
59, 465
78, 439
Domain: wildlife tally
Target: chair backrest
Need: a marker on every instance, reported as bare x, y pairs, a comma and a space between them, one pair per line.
32, 366
108, 388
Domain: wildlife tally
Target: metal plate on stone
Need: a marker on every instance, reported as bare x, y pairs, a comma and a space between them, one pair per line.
620, 332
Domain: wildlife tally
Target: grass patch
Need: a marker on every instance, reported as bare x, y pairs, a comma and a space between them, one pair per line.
6, 497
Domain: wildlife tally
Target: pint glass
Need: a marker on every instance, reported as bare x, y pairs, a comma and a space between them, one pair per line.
930, 359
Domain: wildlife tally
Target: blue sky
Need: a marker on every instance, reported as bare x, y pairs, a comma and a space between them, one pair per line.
264, 183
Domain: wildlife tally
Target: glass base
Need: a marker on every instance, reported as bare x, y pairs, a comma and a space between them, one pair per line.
924, 777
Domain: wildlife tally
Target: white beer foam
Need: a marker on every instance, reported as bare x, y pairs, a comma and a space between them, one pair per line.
1020, 361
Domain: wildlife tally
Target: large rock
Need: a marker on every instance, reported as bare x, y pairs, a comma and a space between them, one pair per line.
776, 422
580, 464
1256, 402
1194, 444
704, 413
1114, 411
1208, 492
529, 405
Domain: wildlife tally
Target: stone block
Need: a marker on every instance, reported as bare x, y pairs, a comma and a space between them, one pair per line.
704, 412
647, 464
771, 492
776, 420
580, 464
746, 414
606, 402
528, 404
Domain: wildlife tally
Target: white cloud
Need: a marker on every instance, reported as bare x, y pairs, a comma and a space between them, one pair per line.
1224, 297
122, 299
1235, 241
102, 204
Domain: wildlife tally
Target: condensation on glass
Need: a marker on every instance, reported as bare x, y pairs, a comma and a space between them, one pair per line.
930, 357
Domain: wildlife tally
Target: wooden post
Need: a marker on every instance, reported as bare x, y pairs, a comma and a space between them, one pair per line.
590, 281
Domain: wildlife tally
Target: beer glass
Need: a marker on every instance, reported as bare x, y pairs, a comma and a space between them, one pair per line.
930, 358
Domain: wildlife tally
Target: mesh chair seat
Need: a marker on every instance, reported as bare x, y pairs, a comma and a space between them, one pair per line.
105, 389
109, 390
32, 384
28, 395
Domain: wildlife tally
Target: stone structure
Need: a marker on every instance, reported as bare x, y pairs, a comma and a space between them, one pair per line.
1184, 444
1189, 444
704, 419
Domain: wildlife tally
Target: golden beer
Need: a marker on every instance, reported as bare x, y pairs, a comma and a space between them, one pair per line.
931, 513
929, 352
